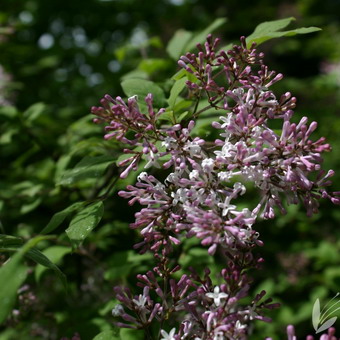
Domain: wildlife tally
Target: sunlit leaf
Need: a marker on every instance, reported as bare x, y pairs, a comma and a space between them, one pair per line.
153, 65
8, 135
8, 111
28, 207
176, 89
142, 88
177, 44
271, 29
34, 111
201, 36
84, 222
179, 74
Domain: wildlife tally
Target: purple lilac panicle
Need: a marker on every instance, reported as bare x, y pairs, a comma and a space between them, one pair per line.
198, 197
330, 335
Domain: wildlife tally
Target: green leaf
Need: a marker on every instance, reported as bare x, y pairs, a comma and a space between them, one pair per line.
184, 73
200, 37
270, 29
10, 241
176, 89
168, 116
87, 168
84, 222
27, 188
142, 88
37, 256
134, 75
107, 308
119, 266
12, 275
177, 44
180, 74
55, 255
131, 334
28, 207
272, 26
226, 47
181, 105
153, 65
184, 41
8, 111
203, 126
107, 335
7, 136
184, 115
59, 217
34, 111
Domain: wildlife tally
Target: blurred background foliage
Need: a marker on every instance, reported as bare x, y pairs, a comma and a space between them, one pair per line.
57, 59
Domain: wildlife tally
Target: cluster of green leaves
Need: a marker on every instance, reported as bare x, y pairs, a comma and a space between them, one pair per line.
53, 217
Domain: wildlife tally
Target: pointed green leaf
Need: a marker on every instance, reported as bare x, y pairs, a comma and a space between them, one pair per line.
272, 26
135, 74
28, 207
271, 29
184, 115
8, 111
201, 36
141, 88
180, 74
131, 334
153, 65
184, 41
88, 167
176, 89
107, 335
58, 218
177, 44
10, 241
34, 111
168, 116
84, 222
37, 256
12, 275
55, 255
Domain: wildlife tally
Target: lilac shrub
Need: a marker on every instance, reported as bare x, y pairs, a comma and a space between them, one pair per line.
205, 182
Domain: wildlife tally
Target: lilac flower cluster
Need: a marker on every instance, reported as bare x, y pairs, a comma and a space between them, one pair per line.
202, 309
205, 182
329, 336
